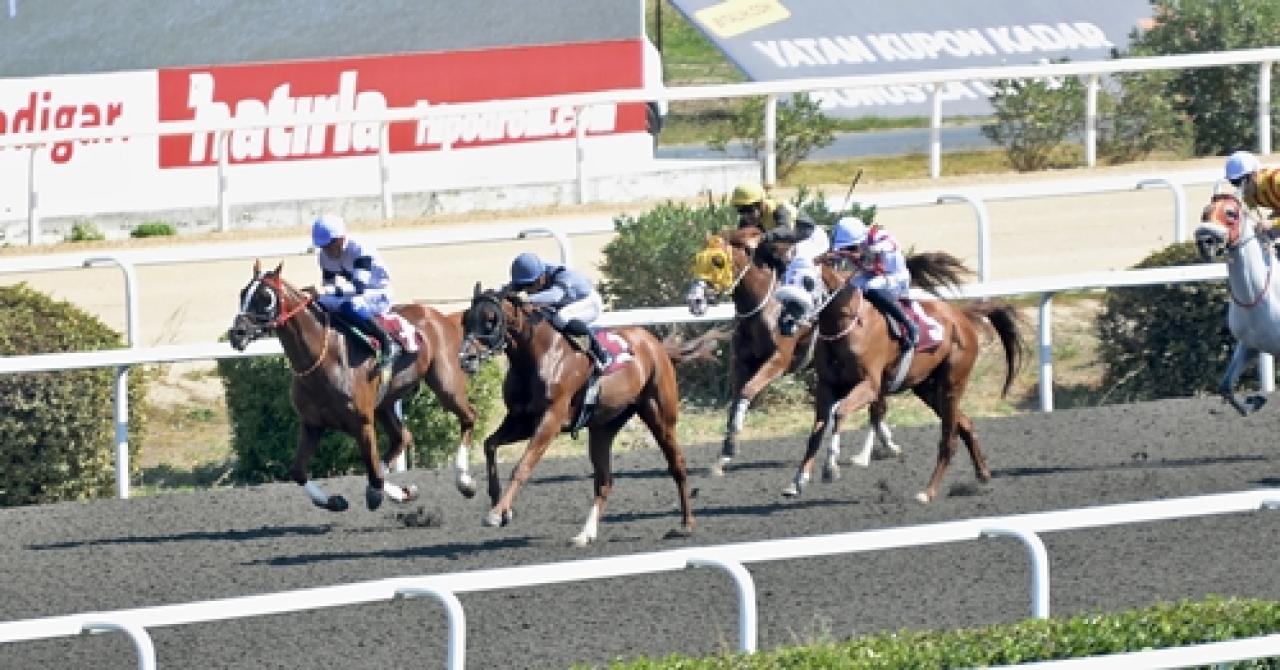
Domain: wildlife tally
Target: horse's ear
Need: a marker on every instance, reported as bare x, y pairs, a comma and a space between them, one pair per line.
257, 268
477, 291
279, 268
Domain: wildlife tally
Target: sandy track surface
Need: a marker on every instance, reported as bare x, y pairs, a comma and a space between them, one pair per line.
76, 557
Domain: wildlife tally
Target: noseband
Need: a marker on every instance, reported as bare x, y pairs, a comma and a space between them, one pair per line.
495, 341
264, 322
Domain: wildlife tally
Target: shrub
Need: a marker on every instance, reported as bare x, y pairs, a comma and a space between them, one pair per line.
1138, 118
264, 426
1033, 117
801, 128
1164, 341
154, 229
57, 431
85, 231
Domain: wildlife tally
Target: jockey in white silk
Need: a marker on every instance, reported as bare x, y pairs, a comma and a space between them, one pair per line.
802, 288
883, 275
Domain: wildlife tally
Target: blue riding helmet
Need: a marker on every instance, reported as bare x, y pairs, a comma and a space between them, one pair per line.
849, 231
326, 228
526, 269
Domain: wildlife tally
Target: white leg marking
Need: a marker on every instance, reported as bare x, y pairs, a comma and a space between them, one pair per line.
739, 415
317, 494
862, 459
589, 529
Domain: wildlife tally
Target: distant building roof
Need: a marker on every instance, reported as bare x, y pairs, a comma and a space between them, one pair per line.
49, 37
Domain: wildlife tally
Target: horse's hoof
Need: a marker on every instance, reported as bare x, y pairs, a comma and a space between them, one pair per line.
492, 520
467, 489
335, 504
581, 540
411, 493
831, 473
1255, 402
883, 453
791, 491
718, 468
923, 498
373, 498
678, 533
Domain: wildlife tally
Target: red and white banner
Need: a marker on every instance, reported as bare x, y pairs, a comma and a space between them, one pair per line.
278, 91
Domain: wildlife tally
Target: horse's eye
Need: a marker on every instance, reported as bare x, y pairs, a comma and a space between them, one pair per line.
718, 261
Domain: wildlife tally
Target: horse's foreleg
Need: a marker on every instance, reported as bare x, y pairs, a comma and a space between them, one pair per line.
449, 383
367, 440
547, 429
823, 420
400, 439
737, 415
1241, 357
514, 427
308, 437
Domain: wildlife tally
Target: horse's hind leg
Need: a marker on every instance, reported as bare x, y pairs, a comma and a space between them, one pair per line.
737, 415
400, 438
308, 437
449, 383
945, 402
876, 428
661, 420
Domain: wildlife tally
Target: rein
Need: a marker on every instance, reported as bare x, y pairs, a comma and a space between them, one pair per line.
773, 281
286, 316
853, 319
1266, 283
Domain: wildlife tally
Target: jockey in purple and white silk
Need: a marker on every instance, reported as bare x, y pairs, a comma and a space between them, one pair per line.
367, 290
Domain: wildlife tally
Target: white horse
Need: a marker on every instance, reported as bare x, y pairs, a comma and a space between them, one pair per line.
1226, 228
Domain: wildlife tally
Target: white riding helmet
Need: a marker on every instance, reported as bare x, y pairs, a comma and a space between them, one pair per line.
1240, 164
849, 231
326, 228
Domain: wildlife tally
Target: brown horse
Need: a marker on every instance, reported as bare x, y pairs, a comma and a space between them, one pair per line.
337, 386
858, 362
732, 265
544, 390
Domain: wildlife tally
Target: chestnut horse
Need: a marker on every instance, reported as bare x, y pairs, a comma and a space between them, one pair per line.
337, 386
1227, 229
761, 354
543, 392
858, 359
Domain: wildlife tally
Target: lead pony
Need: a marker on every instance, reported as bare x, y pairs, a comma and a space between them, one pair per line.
547, 383
336, 384
859, 362
734, 264
1227, 229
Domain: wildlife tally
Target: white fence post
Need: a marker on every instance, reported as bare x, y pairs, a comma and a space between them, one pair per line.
580, 152
457, 621
746, 598
384, 170
33, 199
935, 131
224, 206
770, 141
121, 413
1039, 566
1179, 205
566, 250
1091, 121
984, 238
141, 640
1046, 351
1264, 107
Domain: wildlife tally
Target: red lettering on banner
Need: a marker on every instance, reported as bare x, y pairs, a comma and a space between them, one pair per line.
280, 92
41, 113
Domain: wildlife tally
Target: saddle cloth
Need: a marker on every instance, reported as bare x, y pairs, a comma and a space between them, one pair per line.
400, 329
619, 349
931, 332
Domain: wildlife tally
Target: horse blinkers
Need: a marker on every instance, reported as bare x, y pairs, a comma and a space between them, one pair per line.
259, 309
484, 328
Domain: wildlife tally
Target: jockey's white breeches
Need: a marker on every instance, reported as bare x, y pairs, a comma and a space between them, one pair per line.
586, 310
372, 302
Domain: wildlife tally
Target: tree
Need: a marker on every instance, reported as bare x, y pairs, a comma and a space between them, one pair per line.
802, 127
1220, 101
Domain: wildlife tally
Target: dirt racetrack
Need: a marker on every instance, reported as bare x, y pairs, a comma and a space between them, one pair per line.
76, 557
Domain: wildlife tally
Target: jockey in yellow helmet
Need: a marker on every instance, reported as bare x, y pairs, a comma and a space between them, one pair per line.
756, 208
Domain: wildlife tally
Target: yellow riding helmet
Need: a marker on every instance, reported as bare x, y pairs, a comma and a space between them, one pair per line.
746, 194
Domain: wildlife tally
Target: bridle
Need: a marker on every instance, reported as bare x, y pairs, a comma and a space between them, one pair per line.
831, 295
1239, 242
493, 342
275, 315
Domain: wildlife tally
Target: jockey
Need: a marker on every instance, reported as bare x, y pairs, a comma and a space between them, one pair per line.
801, 283
570, 297
882, 273
757, 209
1256, 185
369, 293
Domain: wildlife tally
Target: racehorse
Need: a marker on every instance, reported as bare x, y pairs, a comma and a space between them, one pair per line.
761, 354
337, 385
859, 360
548, 390
1226, 228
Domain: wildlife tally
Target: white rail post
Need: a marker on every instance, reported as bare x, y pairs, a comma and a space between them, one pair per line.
1266, 373
1046, 352
770, 140
224, 207
33, 199
746, 597
457, 621
566, 251
122, 372
1091, 121
1264, 107
984, 238
580, 152
141, 639
384, 170
1179, 205
935, 131
1039, 566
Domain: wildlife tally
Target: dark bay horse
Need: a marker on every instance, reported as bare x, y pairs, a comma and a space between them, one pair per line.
543, 395
337, 386
761, 354
857, 362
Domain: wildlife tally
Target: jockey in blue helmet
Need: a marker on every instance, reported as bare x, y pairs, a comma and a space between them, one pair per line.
368, 290
568, 295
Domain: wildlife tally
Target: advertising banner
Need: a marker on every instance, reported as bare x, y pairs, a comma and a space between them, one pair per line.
790, 39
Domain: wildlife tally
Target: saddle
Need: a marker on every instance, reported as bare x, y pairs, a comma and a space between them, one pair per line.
400, 329
930, 331
588, 397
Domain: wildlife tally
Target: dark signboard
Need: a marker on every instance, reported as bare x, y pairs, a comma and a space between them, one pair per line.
790, 39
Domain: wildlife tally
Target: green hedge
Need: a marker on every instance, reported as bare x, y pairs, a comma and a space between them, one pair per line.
264, 426
1161, 626
57, 429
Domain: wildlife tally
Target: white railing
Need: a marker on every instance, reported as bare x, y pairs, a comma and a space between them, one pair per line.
933, 79
732, 559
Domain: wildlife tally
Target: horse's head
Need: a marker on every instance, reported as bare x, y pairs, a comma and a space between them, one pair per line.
261, 307
712, 275
1224, 224
485, 326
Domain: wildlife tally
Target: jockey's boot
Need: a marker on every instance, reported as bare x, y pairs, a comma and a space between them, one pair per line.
390, 348
587, 343
890, 307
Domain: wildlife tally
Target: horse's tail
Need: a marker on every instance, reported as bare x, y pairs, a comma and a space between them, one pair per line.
702, 347
1004, 319
935, 270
